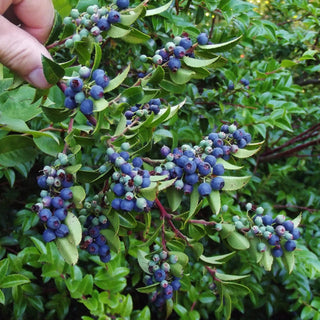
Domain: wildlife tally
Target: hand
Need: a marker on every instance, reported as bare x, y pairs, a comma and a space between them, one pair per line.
24, 26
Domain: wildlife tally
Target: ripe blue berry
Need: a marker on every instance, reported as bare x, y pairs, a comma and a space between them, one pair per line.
217, 152
127, 205
103, 24
62, 231
53, 223
76, 84
70, 103
230, 85
186, 43
114, 16
57, 202
204, 189
267, 220
218, 169
96, 92
102, 80
115, 204
93, 248
296, 234
118, 189
104, 250
96, 73
145, 183
204, 168
66, 194
86, 107
61, 213
179, 52
48, 235
84, 72
277, 252
137, 162
174, 64
106, 258
244, 81
202, 38
274, 240
122, 4
191, 179
168, 292
45, 214
159, 275
289, 226
290, 245
217, 183
190, 167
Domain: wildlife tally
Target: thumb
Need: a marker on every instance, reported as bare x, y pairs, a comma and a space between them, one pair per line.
21, 53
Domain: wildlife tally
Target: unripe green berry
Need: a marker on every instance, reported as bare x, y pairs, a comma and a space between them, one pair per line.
170, 46
157, 59
238, 224
125, 146
74, 13
95, 221
259, 210
76, 37
218, 226
261, 247
143, 58
249, 206
67, 20
225, 208
69, 43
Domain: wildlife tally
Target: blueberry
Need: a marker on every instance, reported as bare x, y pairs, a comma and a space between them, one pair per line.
159, 275
174, 64
84, 72
129, 114
125, 155
217, 183
210, 159
126, 168
57, 202
76, 84
191, 179
176, 285
217, 152
93, 248
112, 157
179, 52
145, 183
137, 162
204, 189
61, 213
53, 223
157, 59
241, 143
289, 226
45, 214
127, 205
48, 235
277, 252
164, 55
230, 85
96, 92
296, 234
218, 169
106, 258
238, 134
290, 245
97, 72
181, 161
86, 107
114, 16
280, 230
176, 172
66, 194
103, 24
190, 167
115, 204
79, 97
187, 188
154, 108
213, 136
202, 38
62, 231
168, 292
244, 81
102, 80
267, 220
185, 42
70, 103
94, 231
118, 189
204, 168
104, 250
155, 101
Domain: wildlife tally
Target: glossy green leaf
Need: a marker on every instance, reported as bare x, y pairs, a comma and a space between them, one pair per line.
115, 82
245, 153
56, 28
230, 277
75, 229
79, 195
13, 280
148, 289
215, 201
199, 63
135, 37
220, 47
181, 76
156, 11
288, 260
118, 31
52, 70
132, 95
238, 241
143, 261
174, 197
235, 183
112, 239
219, 259
227, 165
68, 250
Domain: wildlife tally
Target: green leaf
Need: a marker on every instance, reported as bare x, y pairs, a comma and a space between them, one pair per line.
152, 238
100, 105
227, 165
127, 220
115, 82
174, 197
48, 145
2, 297
133, 15
220, 47
181, 76
56, 28
227, 229
84, 50
230, 277
4, 264
79, 195
245, 153
10, 175
135, 37
171, 87
118, 31
149, 193
157, 75
121, 125
68, 250
266, 260
288, 260
297, 220
148, 289
143, 261
238, 241
55, 114
13, 280
220, 259
132, 95
214, 201
16, 149
53, 72
112, 239
235, 183
97, 55
156, 11
75, 229
197, 63
194, 200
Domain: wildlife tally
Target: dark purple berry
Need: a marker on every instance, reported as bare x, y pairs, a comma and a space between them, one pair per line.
96, 92
45, 214
106, 258
277, 252
70, 103
76, 84
204, 189
103, 24
289, 226
191, 179
66, 194
174, 64
204, 168
217, 183
244, 81
290, 245
93, 248
48, 235
159, 275
61, 213
53, 223
62, 231
122, 4
104, 250
94, 231
57, 202
114, 16
217, 152
86, 107
274, 240
186, 43
218, 169
202, 38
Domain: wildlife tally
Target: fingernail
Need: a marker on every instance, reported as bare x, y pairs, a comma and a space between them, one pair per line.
37, 78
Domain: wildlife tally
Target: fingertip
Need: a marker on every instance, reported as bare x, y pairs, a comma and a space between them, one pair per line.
36, 78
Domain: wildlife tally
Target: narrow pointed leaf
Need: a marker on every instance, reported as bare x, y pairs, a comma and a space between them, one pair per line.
235, 183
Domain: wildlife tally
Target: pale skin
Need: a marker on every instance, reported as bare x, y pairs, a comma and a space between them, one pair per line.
24, 26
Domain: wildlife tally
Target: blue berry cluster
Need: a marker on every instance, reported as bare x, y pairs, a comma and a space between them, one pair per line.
160, 273
280, 233
93, 22
245, 82
81, 92
173, 51
198, 164
138, 111
56, 199
128, 179
93, 241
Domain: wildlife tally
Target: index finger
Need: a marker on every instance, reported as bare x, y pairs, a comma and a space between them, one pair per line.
36, 17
